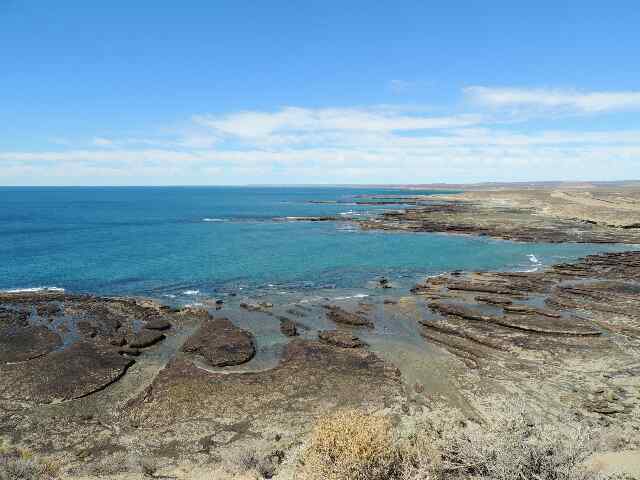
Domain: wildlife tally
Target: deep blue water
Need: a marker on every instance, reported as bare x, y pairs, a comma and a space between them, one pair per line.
159, 241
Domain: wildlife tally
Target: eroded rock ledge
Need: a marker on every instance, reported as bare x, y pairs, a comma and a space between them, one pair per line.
221, 343
56, 347
529, 215
559, 336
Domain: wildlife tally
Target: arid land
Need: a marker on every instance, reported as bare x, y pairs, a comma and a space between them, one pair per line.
131, 388
558, 213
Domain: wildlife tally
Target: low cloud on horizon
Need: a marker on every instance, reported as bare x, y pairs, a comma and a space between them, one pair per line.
494, 133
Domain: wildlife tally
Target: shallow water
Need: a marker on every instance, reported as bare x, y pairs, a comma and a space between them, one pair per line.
190, 244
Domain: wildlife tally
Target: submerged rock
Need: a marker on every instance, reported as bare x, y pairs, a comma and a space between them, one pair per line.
340, 339
221, 343
288, 327
340, 315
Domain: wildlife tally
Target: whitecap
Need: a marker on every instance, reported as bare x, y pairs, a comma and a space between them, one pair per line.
533, 258
213, 220
357, 295
191, 292
34, 290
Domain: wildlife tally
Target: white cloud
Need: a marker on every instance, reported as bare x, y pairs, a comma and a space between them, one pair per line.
254, 124
378, 144
586, 102
102, 142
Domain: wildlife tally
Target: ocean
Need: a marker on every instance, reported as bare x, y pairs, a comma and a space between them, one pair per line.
184, 242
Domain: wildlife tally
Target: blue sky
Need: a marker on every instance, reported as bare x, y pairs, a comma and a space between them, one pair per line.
236, 92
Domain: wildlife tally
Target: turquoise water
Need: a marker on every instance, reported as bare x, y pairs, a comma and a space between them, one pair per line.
168, 241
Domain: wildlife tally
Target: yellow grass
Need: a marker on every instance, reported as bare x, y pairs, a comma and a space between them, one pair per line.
351, 445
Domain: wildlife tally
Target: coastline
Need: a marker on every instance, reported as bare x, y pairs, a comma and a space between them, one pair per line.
110, 379
444, 344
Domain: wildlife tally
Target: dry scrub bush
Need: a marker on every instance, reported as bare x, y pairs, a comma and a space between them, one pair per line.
351, 445
514, 447
19, 464
258, 460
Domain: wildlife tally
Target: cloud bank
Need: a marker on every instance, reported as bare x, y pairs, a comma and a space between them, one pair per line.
586, 102
373, 144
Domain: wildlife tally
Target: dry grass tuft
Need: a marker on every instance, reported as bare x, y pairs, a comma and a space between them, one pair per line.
515, 446
351, 445
21, 464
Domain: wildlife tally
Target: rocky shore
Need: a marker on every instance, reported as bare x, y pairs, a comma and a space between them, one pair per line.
96, 381
585, 215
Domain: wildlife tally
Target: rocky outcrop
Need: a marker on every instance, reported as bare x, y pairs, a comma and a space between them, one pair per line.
146, 338
21, 341
58, 347
528, 215
340, 315
158, 324
560, 330
73, 373
221, 343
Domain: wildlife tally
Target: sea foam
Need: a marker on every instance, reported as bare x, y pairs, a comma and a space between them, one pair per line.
34, 290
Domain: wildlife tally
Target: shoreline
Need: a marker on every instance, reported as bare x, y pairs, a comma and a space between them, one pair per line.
190, 386
406, 354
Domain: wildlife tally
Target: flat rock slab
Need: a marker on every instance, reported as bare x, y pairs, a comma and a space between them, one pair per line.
526, 322
311, 378
26, 343
76, 372
221, 343
340, 315
340, 339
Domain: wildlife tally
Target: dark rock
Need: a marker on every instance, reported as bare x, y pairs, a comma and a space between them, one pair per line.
252, 307
340, 339
76, 372
158, 324
221, 343
146, 338
19, 344
528, 323
339, 315
288, 327
493, 300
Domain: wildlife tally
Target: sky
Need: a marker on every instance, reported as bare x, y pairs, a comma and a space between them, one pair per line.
318, 92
